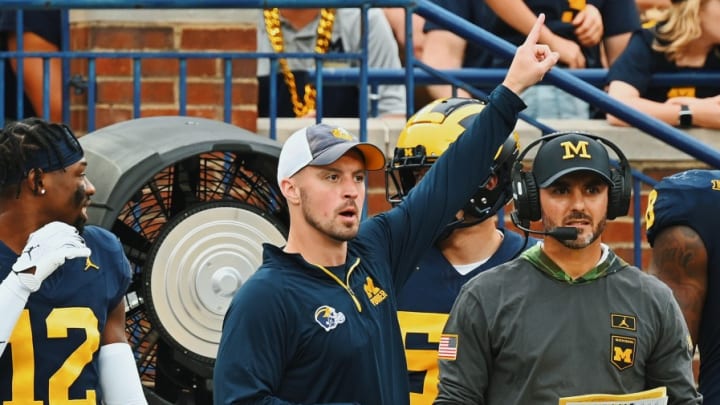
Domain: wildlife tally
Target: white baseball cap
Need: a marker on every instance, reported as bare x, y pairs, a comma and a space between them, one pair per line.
320, 145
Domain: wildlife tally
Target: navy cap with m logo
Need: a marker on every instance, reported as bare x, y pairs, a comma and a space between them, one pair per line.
570, 153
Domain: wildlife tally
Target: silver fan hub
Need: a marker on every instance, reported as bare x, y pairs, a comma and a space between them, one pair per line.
199, 264
225, 282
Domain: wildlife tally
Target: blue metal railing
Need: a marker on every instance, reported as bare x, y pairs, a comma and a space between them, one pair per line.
598, 98
580, 83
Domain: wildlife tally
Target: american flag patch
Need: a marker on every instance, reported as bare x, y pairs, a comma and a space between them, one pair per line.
447, 350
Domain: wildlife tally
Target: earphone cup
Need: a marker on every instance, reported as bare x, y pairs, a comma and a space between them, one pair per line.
619, 196
533, 197
525, 197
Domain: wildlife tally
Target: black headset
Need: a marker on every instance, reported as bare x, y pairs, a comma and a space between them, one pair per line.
526, 196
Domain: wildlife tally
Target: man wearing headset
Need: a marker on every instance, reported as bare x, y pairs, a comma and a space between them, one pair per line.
568, 317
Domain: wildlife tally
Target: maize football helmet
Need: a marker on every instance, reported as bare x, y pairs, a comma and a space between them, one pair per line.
427, 135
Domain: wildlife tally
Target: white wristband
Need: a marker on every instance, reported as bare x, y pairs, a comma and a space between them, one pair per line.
13, 297
119, 379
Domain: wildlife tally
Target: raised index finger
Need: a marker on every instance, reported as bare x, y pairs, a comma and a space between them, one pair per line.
534, 34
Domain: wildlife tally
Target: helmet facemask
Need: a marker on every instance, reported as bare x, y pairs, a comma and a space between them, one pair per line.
487, 202
407, 166
426, 136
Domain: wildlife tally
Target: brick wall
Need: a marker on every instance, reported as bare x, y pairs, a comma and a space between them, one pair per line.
619, 232
205, 93
160, 77
645, 154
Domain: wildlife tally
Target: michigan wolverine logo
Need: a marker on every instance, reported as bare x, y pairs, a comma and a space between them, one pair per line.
622, 351
574, 151
575, 6
715, 184
620, 321
90, 265
681, 92
328, 318
376, 295
342, 134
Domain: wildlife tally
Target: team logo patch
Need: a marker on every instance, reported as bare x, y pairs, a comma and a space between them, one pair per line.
681, 92
622, 351
328, 318
341, 133
574, 151
620, 321
90, 265
447, 349
376, 295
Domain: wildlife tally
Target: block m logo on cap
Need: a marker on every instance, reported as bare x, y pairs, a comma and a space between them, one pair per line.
576, 150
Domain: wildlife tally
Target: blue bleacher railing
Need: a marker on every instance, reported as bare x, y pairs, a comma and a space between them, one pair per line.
581, 83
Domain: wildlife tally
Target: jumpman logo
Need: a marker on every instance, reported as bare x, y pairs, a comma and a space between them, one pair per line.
90, 265
30, 249
622, 321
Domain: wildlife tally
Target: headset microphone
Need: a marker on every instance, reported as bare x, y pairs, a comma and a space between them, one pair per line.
559, 233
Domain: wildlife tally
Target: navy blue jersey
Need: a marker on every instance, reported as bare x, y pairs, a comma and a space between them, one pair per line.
618, 17
46, 24
298, 332
691, 198
424, 305
52, 355
639, 62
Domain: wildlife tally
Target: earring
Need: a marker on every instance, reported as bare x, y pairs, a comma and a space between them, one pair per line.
42, 191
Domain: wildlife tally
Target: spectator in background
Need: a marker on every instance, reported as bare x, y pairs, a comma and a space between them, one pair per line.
323, 31
685, 40
470, 244
682, 228
644, 5
649, 10
574, 29
396, 19
42, 33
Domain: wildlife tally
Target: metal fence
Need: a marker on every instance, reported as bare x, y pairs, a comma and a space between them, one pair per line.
580, 83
